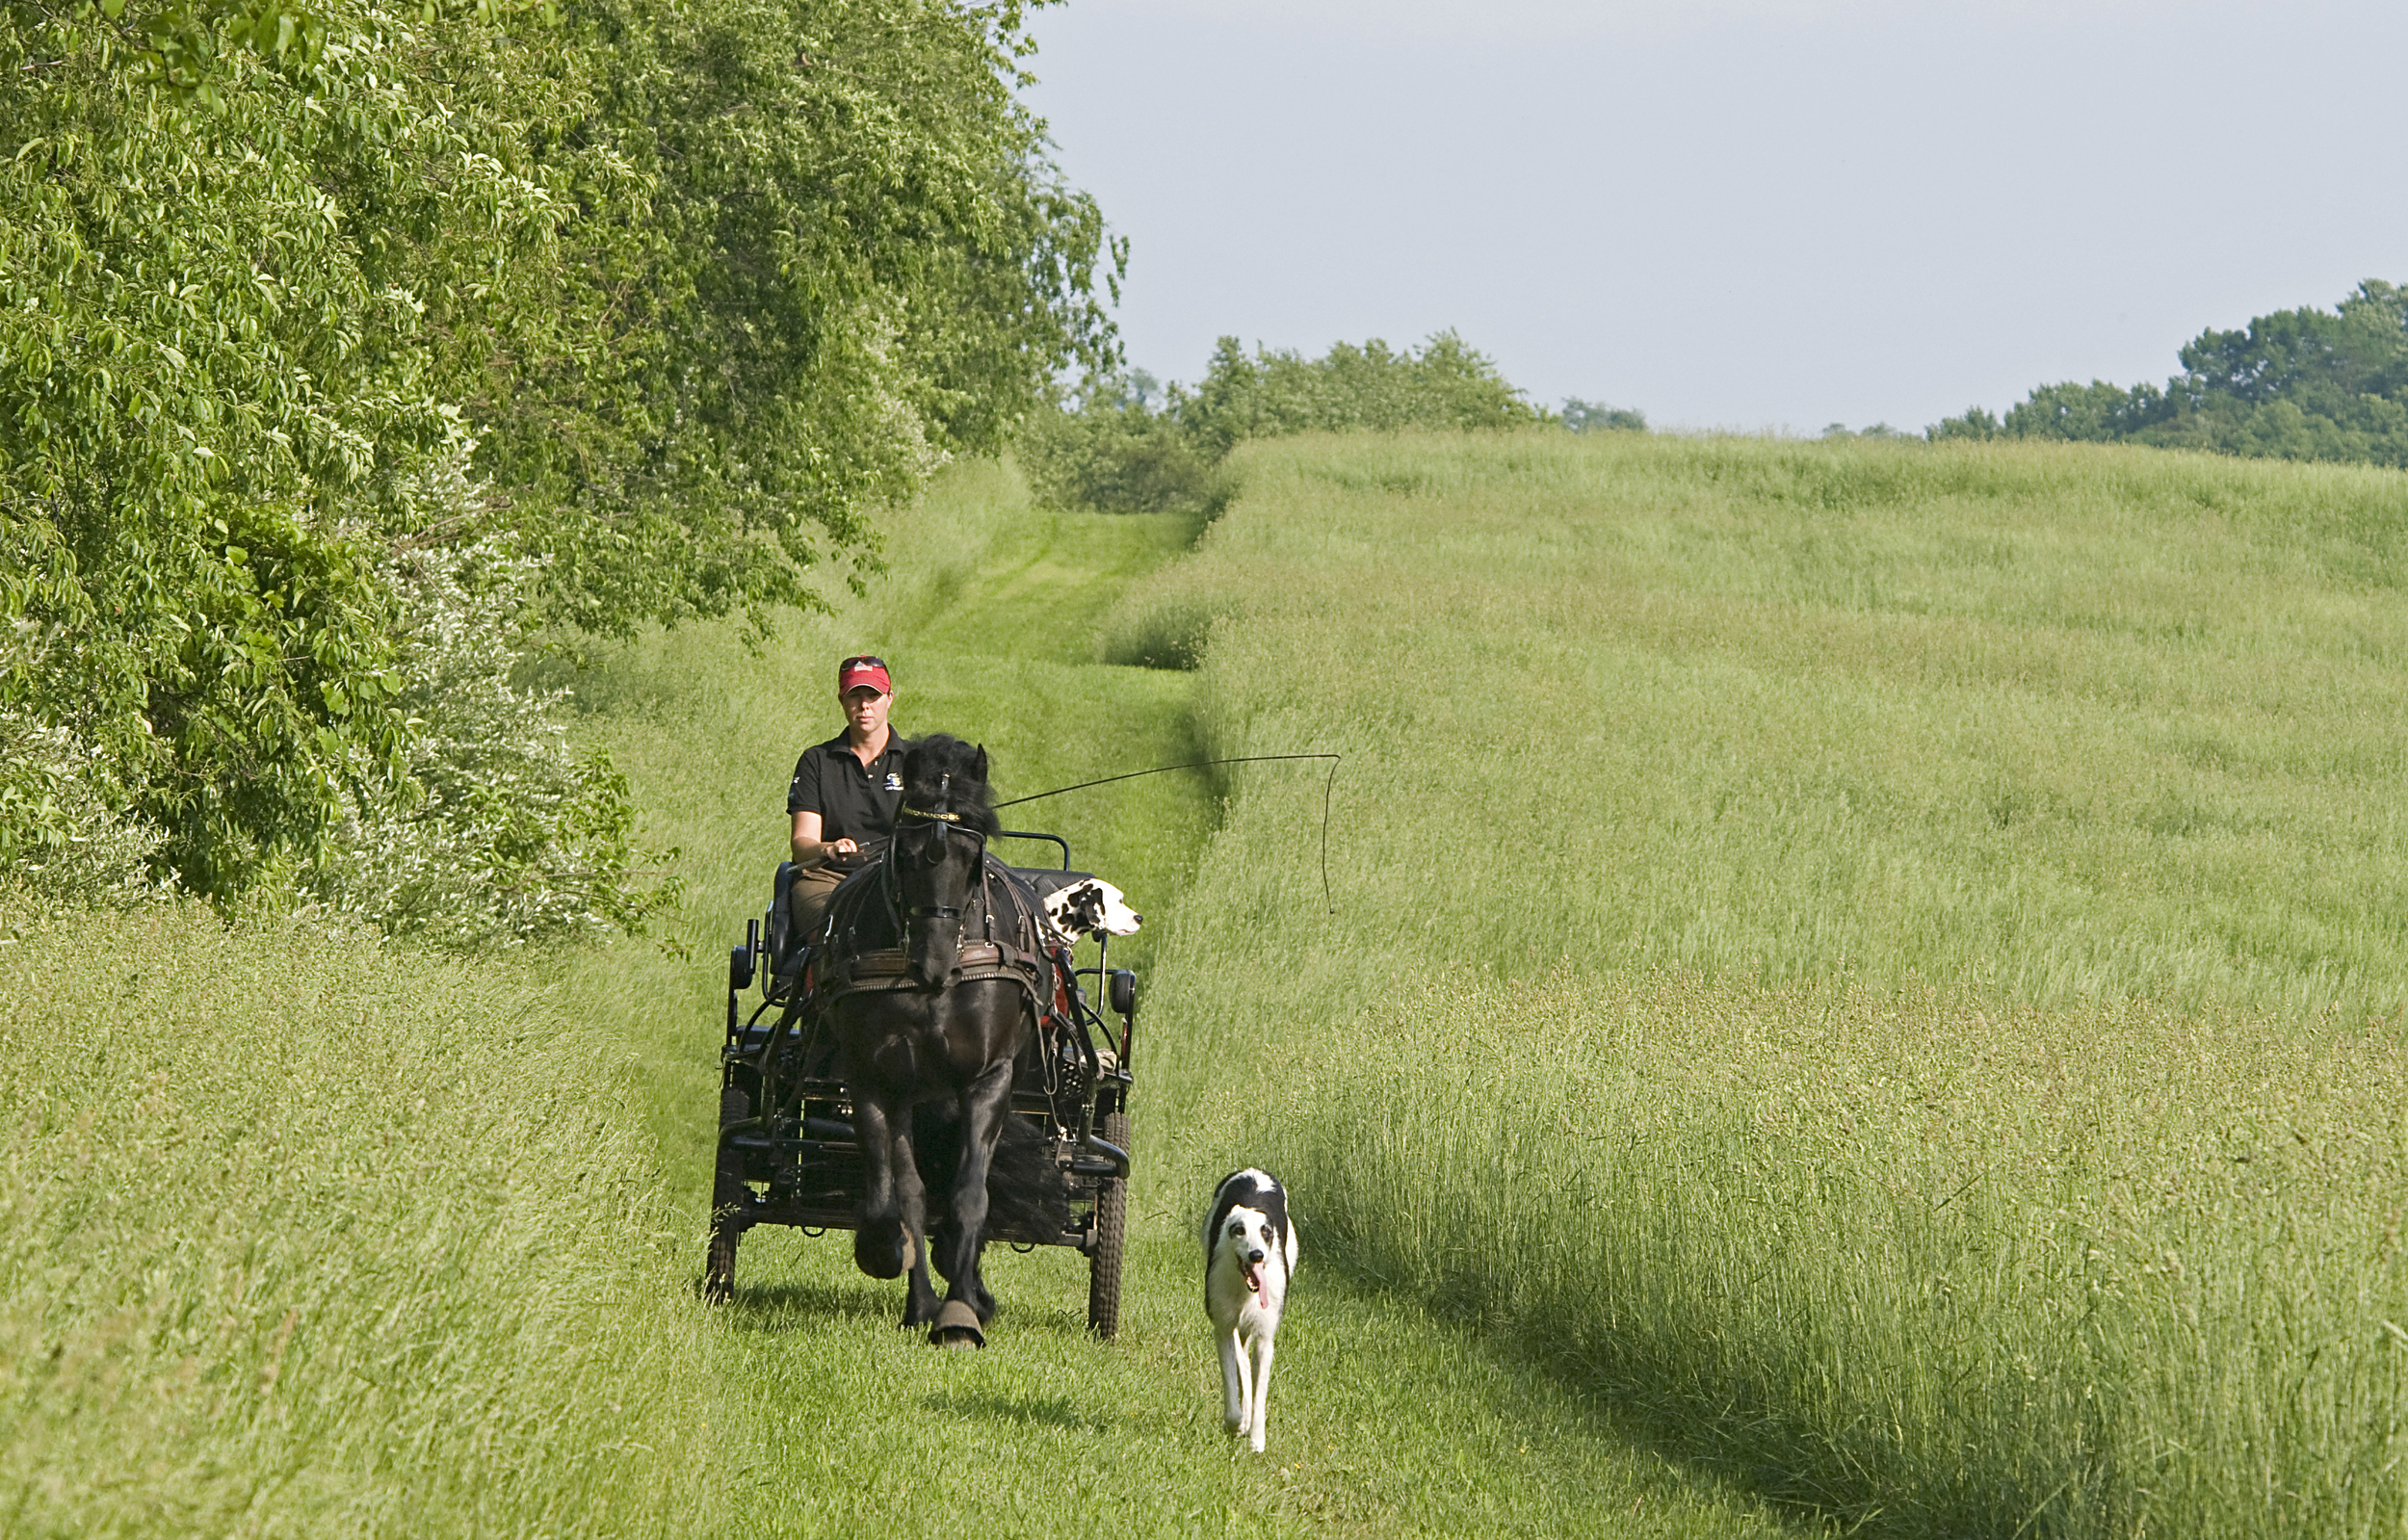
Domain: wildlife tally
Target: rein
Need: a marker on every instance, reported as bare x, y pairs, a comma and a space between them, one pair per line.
1011, 948
1327, 787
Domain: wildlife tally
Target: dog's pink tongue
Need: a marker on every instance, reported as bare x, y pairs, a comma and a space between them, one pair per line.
1253, 1277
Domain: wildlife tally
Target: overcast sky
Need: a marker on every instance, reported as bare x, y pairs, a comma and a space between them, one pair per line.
1741, 213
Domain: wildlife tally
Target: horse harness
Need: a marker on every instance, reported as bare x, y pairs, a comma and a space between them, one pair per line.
1018, 957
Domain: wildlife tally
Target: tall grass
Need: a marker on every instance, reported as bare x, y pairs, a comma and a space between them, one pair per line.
829, 1421
1937, 1268
300, 1237
1883, 963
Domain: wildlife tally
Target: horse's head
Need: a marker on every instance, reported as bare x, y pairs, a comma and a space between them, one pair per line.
940, 838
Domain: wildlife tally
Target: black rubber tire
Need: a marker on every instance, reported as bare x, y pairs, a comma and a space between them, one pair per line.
718, 1272
727, 1195
1112, 1235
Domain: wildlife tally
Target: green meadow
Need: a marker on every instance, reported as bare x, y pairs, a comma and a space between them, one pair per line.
826, 1418
307, 1237
1860, 992
1882, 964
314, 1236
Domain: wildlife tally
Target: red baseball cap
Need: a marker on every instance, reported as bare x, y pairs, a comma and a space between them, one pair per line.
854, 673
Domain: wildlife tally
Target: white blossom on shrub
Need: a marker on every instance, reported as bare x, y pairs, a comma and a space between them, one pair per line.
69, 838
499, 832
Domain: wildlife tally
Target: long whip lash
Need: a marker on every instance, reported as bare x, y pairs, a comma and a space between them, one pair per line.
1242, 759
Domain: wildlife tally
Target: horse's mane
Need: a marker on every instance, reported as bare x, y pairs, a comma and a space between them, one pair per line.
943, 774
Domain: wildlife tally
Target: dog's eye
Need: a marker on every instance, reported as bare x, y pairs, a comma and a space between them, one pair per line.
1237, 1231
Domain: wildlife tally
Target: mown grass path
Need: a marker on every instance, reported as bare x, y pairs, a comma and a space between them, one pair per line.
828, 1419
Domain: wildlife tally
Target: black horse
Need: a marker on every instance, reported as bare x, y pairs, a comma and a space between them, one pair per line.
933, 980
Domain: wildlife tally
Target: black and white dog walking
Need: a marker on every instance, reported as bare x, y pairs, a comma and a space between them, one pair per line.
1249, 1254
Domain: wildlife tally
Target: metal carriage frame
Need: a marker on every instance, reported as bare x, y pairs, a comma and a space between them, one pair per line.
786, 1152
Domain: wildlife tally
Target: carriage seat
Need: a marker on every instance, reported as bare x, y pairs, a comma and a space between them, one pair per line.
784, 948
1046, 881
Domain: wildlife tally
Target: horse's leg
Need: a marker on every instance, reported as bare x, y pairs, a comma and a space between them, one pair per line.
883, 1245
920, 1297
985, 1105
974, 1289
892, 1213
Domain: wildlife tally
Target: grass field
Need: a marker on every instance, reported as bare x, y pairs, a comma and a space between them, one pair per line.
829, 1420
309, 1236
303, 1238
1883, 963
1864, 994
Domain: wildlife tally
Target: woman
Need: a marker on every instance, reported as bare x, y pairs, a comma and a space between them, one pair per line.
845, 792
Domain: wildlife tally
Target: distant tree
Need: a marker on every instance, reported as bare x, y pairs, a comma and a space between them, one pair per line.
1978, 423
1105, 446
1595, 416
2298, 384
1447, 384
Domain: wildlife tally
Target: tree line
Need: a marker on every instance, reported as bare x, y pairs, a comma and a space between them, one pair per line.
2297, 385
343, 350
1123, 443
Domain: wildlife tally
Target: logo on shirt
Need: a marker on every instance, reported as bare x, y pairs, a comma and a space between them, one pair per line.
894, 781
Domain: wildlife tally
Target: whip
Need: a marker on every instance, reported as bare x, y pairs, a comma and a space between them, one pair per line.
1240, 758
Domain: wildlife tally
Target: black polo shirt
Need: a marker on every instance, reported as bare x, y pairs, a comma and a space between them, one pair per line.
854, 802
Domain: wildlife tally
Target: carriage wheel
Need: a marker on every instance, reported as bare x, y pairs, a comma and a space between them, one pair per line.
719, 1273
1111, 1234
727, 1197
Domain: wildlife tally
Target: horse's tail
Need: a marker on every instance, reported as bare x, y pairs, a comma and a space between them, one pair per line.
1027, 1198
1027, 1194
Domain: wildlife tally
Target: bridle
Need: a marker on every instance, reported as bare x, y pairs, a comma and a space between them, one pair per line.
945, 824
1017, 956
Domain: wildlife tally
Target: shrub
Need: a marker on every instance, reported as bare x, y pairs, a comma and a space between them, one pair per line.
1116, 457
1447, 384
1596, 417
1109, 449
66, 835
490, 828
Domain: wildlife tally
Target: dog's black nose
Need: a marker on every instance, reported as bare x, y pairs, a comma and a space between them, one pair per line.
1253, 1256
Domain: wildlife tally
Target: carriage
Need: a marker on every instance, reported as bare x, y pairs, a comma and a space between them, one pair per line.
787, 1148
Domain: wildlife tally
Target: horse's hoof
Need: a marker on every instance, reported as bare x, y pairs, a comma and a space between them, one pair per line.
882, 1253
956, 1326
